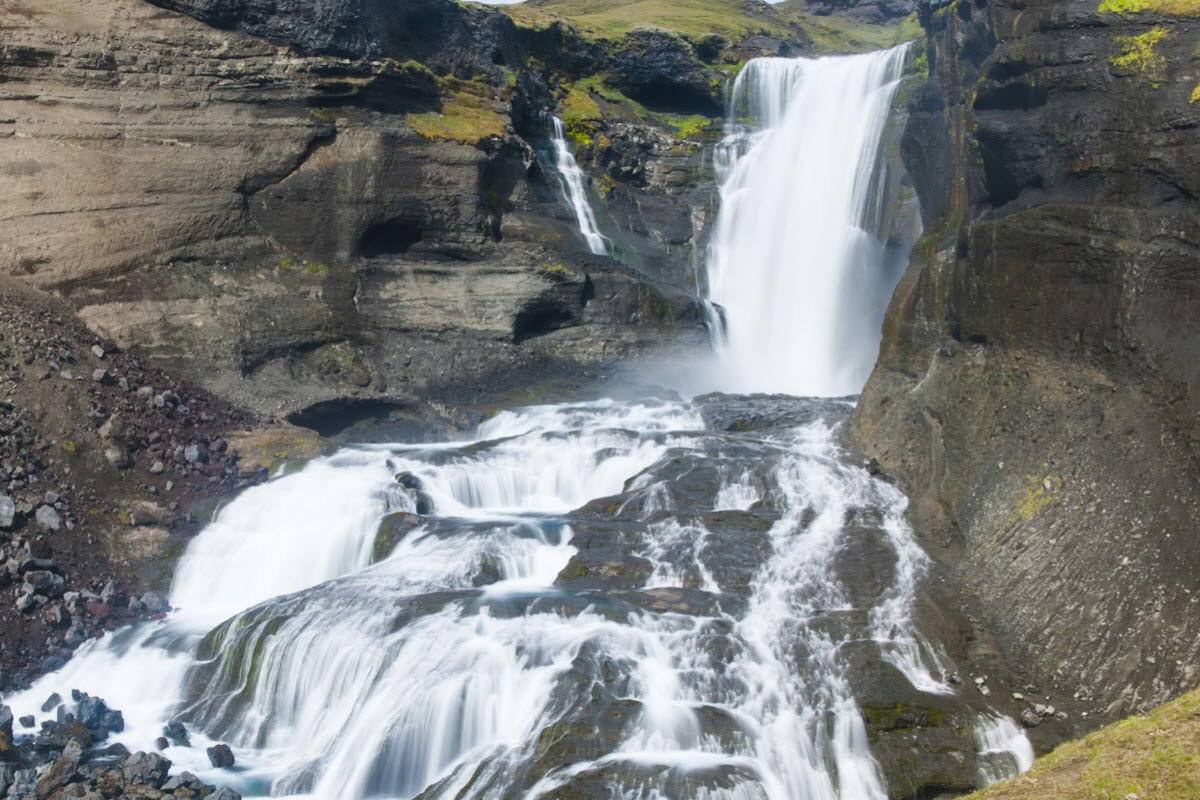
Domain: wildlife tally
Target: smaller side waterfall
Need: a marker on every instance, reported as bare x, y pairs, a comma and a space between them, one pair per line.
574, 189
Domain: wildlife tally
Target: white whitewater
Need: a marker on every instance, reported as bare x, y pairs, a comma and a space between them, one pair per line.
799, 282
448, 669
574, 188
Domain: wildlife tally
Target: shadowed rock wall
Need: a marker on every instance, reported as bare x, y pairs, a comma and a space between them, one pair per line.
1038, 387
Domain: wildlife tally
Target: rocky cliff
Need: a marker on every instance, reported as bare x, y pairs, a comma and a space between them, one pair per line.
303, 227
1038, 388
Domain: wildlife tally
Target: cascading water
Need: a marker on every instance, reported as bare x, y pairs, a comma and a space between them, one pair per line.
574, 188
632, 600
800, 284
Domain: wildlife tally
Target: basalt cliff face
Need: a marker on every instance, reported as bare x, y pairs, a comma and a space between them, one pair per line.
1038, 388
331, 209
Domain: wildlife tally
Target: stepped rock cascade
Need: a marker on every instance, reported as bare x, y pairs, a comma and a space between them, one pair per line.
801, 285
641, 599
574, 188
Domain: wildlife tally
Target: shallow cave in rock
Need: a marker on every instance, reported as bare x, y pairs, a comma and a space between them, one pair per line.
391, 237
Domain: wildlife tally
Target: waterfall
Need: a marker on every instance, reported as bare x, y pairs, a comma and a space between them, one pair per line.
574, 188
611, 599
800, 284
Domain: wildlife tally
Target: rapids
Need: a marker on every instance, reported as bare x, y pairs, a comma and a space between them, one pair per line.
660, 598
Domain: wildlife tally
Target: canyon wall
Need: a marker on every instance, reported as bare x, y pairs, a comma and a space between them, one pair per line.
294, 210
1038, 387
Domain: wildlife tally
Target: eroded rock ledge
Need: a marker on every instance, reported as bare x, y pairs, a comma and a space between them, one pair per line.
298, 225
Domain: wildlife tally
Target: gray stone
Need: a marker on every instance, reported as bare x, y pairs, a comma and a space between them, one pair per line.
224, 793
97, 351
157, 467
8, 512
48, 518
75, 752
220, 756
59, 775
195, 453
45, 582
154, 603
147, 768
1030, 718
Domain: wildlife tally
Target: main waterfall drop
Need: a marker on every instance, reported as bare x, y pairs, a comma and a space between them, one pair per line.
623, 600
800, 282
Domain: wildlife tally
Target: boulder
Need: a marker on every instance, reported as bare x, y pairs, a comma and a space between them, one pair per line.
148, 768
220, 756
8, 512
48, 518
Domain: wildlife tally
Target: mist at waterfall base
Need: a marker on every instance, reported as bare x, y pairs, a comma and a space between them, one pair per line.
641, 599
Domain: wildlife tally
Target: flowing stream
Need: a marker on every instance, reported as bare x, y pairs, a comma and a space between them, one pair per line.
650, 599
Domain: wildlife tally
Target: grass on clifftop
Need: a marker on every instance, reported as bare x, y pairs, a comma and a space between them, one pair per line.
608, 19
1152, 757
1178, 8
696, 19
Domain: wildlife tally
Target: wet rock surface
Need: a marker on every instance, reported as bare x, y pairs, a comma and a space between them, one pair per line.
678, 557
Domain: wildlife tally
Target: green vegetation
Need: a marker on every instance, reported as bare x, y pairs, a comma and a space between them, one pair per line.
592, 100
1138, 55
321, 114
556, 269
286, 263
916, 64
580, 115
834, 34
697, 19
909, 30
608, 19
69, 447
688, 127
467, 115
1178, 8
1151, 757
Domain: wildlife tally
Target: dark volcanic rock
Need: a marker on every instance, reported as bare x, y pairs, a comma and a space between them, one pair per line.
661, 70
432, 31
220, 756
1039, 377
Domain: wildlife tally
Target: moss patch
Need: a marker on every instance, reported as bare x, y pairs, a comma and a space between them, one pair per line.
581, 116
1179, 8
1151, 757
1140, 57
272, 448
467, 115
1038, 495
